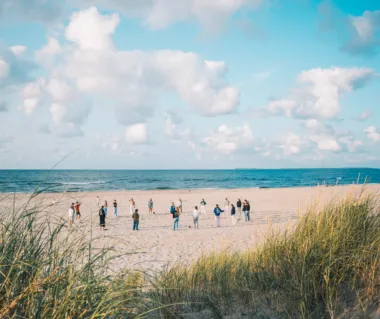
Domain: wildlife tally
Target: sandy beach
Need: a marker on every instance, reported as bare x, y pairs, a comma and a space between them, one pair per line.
156, 244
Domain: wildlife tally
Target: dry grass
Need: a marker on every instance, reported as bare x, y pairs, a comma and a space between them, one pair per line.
328, 266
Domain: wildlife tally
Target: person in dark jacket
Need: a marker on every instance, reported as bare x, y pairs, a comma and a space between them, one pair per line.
248, 210
175, 215
217, 212
136, 219
238, 208
102, 217
233, 214
245, 211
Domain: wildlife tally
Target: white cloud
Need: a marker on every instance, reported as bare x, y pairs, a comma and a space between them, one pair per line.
372, 133
31, 95
18, 49
365, 115
291, 144
47, 53
132, 80
136, 134
158, 14
319, 93
366, 29
326, 143
91, 30
350, 143
230, 140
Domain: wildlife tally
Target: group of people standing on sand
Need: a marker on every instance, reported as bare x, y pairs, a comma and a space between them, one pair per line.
132, 209
229, 208
175, 210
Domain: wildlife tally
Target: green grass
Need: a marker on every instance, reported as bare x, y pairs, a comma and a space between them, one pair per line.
328, 266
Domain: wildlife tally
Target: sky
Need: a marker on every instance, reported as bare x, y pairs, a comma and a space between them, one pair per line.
189, 84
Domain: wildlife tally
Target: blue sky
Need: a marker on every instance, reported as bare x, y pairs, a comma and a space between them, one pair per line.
189, 84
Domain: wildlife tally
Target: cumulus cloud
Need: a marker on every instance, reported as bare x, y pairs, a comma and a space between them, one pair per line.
136, 134
31, 95
372, 133
46, 55
319, 92
291, 144
132, 80
326, 143
359, 34
158, 14
18, 49
230, 140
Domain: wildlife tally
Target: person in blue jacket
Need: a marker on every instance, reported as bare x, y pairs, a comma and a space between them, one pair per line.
175, 215
217, 212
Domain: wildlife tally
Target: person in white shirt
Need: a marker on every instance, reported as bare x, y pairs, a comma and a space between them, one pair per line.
203, 206
196, 217
97, 200
132, 206
71, 214
227, 206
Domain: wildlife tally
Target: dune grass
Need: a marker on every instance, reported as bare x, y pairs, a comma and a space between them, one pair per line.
328, 266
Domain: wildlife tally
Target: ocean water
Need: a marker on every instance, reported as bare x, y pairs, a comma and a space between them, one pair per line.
27, 181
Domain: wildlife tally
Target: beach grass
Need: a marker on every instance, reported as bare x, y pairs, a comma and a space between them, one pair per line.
327, 266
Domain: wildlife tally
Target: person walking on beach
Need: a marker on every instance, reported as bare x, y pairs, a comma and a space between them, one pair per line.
97, 201
136, 219
150, 206
71, 214
196, 217
175, 215
102, 218
105, 207
245, 211
238, 208
233, 214
132, 206
77, 211
203, 206
179, 206
248, 210
115, 208
217, 212
227, 206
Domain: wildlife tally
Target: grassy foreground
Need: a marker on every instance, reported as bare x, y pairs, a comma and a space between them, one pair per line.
328, 266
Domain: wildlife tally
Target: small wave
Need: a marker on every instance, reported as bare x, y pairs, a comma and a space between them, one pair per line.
163, 188
81, 183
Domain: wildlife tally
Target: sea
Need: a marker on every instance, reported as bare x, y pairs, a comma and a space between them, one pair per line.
29, 181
